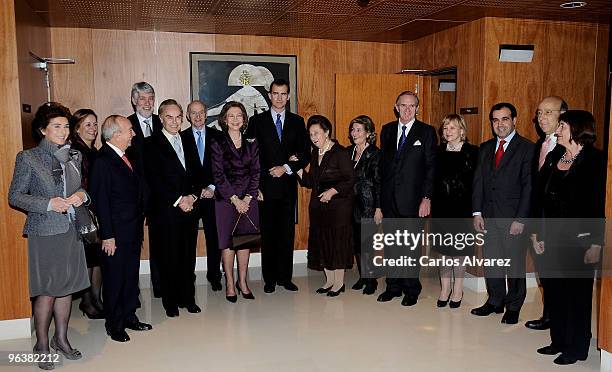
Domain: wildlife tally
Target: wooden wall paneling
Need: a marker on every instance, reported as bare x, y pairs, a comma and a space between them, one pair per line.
604, 338
601, 79
442, 103
14, 301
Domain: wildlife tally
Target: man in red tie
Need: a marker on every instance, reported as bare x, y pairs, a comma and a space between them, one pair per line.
117, 193
501, 201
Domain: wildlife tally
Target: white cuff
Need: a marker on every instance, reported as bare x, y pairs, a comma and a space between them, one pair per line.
288, 169
474, 214
177, 201
211, 186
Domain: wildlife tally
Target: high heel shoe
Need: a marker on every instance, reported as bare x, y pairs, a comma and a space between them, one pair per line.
456, 304
323, 290
231, 299
72, 354
442, 303
246, 296
92, 315
47, 364
336, 293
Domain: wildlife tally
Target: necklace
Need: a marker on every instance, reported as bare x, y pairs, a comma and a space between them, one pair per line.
565, 160
451, 147
325, 149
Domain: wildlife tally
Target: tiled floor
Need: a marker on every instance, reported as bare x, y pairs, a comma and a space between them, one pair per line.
306, 332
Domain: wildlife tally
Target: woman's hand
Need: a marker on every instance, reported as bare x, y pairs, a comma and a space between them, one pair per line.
59, 205
240, 205
326, 196
260, 195
378, 216
76, 199
592, 255
538, 246
293, 158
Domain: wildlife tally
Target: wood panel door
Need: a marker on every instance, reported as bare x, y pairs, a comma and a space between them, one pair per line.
368, 94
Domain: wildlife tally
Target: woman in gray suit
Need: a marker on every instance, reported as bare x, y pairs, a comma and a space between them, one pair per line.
47, 186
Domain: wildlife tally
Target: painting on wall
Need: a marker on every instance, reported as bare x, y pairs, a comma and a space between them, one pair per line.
217, 78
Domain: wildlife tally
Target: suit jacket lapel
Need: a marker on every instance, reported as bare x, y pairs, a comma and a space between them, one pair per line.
509, 152
167, 146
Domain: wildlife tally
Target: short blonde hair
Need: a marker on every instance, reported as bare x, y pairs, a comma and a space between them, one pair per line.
457, 120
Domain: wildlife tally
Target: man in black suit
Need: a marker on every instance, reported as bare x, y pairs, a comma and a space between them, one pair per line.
197, 140
116, 188
547, 118
501, 200
408, 148
280, 135
144, 123
171, 218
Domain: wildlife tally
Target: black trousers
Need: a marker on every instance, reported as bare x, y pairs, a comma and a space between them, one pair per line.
540, 266
500, 244
570, 315
153, 265
277, 239
206, 209
120, 291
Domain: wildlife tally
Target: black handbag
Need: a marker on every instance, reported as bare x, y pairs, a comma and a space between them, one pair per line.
86, 225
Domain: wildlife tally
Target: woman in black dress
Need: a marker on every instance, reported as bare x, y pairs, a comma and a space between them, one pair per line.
330, 239
573, 186
365, 156
456, 162
83, 134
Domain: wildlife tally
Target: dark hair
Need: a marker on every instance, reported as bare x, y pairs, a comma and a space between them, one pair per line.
368, 126
166, 103
582, 126
43, 116
75, 123
279, 83
320, 120
501, 105
222, 115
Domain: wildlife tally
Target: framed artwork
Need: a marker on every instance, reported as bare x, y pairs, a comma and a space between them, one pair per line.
217, 78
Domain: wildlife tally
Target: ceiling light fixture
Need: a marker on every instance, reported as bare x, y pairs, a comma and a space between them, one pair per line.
573, 4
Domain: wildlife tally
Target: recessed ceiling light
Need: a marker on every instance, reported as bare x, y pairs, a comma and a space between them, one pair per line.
573, 4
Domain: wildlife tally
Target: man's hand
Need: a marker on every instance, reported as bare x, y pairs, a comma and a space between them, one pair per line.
516, 228
76, 199
186, 203
479, 224
592, 254
425, 207
59, 205
326, 196
207, 193
378, 216
277, 171
108, 246
538, 247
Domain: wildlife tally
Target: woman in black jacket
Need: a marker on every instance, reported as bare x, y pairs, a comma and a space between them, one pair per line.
365, 156
571, 235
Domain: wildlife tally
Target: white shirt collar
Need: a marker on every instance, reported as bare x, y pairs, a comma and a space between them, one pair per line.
274, 114
141, 119
116, 149
169, 136
507, 139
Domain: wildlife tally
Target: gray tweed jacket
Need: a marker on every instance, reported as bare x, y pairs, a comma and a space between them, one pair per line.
33, 186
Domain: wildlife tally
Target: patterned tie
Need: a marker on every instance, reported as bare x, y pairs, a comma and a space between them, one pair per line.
279, 126
127, 162
148, 129
543, 152
499, 153
178, 149
402, 140
200, 145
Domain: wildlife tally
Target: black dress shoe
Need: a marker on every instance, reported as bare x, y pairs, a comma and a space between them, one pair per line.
548, 350
192, 308
139, 326
359, 284
289, 286
323, 290
455, 304
119, 336
370, 287
443, 303
564, 360
216, 285
510, 317
269, 288
538, 324
487, 309
387, 296
171, 313
335, 293
409, 300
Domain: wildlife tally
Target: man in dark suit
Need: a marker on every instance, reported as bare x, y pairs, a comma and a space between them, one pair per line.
197, 140
116, 188
144, 123
408, 148
171, 218
547, 118
501, 200
280, 135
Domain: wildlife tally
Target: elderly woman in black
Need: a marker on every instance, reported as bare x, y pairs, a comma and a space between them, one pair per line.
365, 156
83, 135
572, 185
47, 186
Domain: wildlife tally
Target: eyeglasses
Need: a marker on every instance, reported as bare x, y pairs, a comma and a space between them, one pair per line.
540, 113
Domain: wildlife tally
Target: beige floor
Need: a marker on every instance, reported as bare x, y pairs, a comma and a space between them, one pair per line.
307, 332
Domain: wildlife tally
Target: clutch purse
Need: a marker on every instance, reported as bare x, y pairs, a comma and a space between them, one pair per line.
255, 228
86, 225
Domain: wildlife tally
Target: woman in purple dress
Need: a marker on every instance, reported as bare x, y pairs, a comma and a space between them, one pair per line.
235, 166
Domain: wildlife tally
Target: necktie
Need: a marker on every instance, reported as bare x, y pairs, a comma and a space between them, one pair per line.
499, 153
279, 126
178, 149
148, 129
127, 162
402, 140
200, 144
544, 152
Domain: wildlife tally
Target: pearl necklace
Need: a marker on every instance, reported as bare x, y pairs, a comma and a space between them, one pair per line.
450, 147
325, 149
565, 160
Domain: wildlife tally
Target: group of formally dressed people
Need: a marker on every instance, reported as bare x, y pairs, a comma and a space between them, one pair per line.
243, 179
